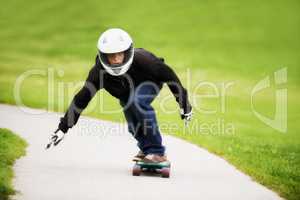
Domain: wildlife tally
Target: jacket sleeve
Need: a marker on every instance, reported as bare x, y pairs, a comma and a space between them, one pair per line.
167, 75
81, 100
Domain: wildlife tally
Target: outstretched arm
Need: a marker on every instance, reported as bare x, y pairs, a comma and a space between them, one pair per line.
78, 104
81, 100
167, 75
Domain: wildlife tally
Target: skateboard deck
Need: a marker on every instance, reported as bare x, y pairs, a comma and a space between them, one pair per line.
162, 168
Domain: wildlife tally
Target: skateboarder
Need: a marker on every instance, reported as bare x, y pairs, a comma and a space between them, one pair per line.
134, 76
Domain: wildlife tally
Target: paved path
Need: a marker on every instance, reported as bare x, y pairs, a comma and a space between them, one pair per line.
93, 162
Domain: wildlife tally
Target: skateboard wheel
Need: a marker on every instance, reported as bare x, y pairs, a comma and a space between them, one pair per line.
165, 172
136, 171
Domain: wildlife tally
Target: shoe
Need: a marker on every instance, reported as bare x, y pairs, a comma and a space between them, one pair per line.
154, 158
139, 156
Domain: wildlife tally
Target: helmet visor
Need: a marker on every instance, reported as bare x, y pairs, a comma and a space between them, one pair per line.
127, 55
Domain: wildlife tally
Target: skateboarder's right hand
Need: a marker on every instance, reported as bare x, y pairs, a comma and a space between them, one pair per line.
55, 138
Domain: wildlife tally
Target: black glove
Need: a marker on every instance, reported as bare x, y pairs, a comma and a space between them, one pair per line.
55, 138
186, 114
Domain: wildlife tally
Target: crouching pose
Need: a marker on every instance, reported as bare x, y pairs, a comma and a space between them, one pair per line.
134, 76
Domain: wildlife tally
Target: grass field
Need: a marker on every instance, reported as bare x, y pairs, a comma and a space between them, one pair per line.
220, 42
11, 148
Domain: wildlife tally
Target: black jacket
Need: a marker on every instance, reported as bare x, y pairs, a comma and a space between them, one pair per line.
145, 67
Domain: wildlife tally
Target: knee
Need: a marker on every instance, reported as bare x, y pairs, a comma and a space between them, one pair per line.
142, 105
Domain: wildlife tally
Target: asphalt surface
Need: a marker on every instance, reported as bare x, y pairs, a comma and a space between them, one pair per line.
94, 162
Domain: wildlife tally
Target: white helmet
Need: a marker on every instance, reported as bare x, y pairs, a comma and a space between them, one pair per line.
113, 41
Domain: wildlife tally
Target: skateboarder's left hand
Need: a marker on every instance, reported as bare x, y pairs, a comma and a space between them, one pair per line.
55, 138
186, 115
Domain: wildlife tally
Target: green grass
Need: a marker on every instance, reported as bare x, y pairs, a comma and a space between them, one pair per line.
12, 147
218, 41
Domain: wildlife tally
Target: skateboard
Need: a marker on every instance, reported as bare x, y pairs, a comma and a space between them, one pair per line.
160, 168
